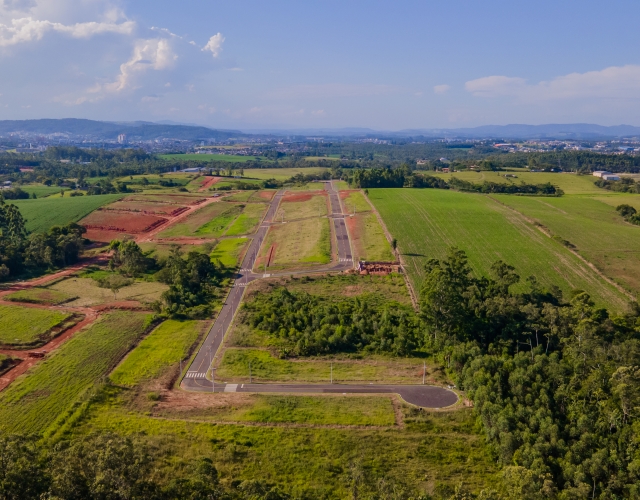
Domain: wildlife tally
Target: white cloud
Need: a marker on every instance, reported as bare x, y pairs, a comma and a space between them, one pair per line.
615, 82
441, 89
155, 54
214, 45
27, 29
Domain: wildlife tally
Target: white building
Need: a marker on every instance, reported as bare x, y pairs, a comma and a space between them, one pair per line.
122, 138
601, 173
610, 177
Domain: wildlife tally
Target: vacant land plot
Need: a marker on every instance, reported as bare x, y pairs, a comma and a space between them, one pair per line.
240, 196
41, 214
126, 222
161, 250
569, 183
367, 238
341, 185
162, 349
428, 222
292, 409
598, 232
303, 205
90, 294
217, 226
175, 199
40, 296
265, 195
282, 174
146, 207
195, 221
234, 367
38, 398
354, 201
296, 244
248, 221
228, 251
434, 449
24, 326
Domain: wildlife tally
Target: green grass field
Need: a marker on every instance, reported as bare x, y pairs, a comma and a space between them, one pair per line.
296, 244
162, 250
37, 399
214, 157
599, 233
218, 225
316, 206
40, 296
367, 238
427, 222
196, 220
228, 251
240, 196
355, 200
40, 190
282, 174
44, 213
161, 350
23, 326
248, 220
569, 183
234, 367
89, 293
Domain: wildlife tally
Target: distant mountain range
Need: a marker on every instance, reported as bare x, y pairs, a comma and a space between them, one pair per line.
99, 130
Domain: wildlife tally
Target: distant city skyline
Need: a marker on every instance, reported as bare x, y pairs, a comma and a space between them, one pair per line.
376, 64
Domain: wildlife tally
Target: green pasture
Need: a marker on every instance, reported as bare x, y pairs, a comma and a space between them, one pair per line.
162, 250
42, 214
38, 295
38, 398
88, 293
569, 183
433, 450
40, 190
228, 251
197, 220
21, 326
355, 201
240, 196
217, 226
161, 350
594, 227
427, 222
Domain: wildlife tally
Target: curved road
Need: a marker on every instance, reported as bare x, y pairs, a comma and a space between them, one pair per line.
196, 377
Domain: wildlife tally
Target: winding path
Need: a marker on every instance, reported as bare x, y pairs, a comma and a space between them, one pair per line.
196, 377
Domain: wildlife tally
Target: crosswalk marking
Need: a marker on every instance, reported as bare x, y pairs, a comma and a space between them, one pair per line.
345, 260
195, 375
242, 284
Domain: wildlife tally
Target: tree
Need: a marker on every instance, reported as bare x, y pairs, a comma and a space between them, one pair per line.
394, 244
128, 258
22, 468
114, 282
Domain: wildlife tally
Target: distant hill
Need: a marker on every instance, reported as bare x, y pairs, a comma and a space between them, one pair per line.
109, 130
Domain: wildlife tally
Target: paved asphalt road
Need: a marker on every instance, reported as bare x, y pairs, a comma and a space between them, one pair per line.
196, 377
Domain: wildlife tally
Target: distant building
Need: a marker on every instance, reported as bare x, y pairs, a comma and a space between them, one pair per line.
600, 173
122, 138
610, 177
445, 170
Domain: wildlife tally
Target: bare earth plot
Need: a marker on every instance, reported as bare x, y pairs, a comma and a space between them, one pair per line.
427, 222
593, 226
295, 244
303, 205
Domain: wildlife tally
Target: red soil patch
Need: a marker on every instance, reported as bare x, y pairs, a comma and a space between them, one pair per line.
175, 199
302, 196
208, 183
145, 208
128, 222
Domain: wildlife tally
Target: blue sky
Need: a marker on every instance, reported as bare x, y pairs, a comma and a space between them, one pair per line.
309, 64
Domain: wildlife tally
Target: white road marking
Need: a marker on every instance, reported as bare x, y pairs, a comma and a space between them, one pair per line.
230, 388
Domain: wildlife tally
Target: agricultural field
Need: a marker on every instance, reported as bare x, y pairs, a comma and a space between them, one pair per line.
90, 294
172, 198
160, 351
40, 190
354, 201
593, 226
248, 221
368, 239
28, 326
229, 251
197, 220
569, 183
146, 207
427, 222
42, 214
46, 392
38, 295
303, 205
296, 244
105, 225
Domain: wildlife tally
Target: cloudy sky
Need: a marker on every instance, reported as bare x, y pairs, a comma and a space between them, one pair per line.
322, 63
